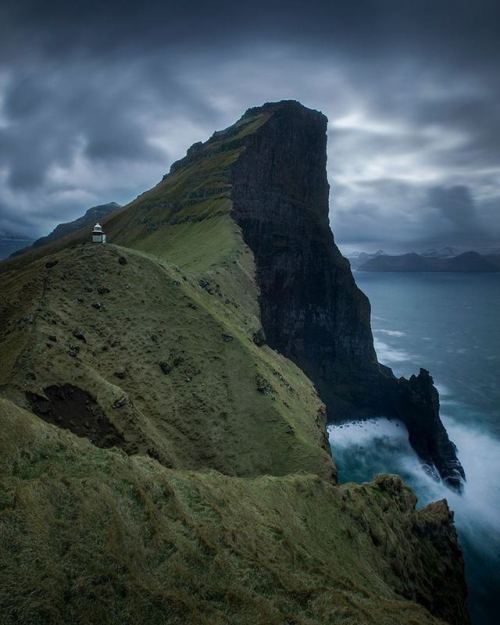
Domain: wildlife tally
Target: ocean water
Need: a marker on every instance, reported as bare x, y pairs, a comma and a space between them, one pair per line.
449, 324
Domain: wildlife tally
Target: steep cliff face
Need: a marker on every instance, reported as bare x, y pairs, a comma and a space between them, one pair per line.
312, 310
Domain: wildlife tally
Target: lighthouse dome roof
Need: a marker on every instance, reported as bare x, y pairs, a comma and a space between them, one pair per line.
98, 227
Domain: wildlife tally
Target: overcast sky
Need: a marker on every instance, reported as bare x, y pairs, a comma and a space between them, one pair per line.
98, 98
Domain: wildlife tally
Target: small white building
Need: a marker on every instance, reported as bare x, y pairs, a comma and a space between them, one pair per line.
98, 235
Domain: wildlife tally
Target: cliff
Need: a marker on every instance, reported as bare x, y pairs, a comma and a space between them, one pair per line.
166, 463
312, 311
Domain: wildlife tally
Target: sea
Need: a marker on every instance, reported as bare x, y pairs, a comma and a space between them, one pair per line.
448, 323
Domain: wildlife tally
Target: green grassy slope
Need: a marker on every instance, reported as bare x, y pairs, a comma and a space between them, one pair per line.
95, 536
196, 190
206, 411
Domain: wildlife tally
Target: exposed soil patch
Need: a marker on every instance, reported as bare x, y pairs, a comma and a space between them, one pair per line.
74, 409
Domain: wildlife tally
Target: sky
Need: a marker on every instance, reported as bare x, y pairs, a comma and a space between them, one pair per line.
98, 98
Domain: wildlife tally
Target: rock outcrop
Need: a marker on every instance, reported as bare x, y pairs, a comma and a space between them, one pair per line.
312, 311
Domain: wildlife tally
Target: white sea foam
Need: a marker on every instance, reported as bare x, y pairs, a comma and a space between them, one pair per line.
363, 449
363, 433
443, 390
391, 332
479, 507
388, 354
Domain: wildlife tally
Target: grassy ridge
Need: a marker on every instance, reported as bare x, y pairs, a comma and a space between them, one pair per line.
96, 536
207, 410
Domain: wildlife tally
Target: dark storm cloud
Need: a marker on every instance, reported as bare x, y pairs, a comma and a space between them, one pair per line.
456, 205
96, 100
457, 27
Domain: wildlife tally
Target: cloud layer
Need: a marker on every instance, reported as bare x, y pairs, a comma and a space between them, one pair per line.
97, 99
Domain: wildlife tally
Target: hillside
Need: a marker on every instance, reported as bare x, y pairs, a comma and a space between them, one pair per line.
166, 463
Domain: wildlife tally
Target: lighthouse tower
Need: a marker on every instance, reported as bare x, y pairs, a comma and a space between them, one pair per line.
98, 235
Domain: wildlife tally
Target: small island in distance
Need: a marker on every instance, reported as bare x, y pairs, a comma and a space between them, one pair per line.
446, 260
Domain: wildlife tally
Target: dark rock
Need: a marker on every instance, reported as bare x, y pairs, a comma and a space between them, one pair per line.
78, 334
311, 309
195, 148
192, 152
119, 403
263, 386
418, 399
122, 260
74, 409
97, 306
51, 263
227, 338
102, 290
165, 367
121, 374
259, 337
152, 453
52, 338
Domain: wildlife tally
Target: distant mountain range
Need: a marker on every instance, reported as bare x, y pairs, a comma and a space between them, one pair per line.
91, 216
442, 252
360, 258
10, 242
445, 260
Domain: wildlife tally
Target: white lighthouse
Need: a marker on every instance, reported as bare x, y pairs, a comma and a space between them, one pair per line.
98, 235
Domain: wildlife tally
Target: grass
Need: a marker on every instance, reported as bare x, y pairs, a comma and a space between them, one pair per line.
207, 411
96, 536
